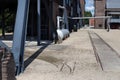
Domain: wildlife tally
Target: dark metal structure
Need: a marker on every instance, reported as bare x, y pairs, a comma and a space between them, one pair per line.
37, 18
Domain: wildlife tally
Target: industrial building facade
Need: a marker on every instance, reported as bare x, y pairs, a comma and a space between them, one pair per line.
107, 8
39, 19
74, 8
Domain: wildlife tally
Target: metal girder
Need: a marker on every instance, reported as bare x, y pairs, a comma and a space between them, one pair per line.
38, 22
3, 45
97, 17
20, 34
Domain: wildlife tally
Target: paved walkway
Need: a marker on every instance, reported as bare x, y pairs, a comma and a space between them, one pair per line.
74, 59
112, 38
107, 56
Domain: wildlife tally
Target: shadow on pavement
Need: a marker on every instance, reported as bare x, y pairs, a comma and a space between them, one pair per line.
35, 55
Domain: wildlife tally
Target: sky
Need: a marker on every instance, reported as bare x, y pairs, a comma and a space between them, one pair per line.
90, 6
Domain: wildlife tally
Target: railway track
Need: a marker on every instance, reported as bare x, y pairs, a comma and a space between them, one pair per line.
106, 56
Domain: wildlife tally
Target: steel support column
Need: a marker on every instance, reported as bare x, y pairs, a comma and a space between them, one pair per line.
38, 22
50, 18
108, 24
20, 34
65, 15
71, 21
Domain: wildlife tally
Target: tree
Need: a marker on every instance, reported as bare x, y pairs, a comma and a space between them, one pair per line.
9, 19
87, 14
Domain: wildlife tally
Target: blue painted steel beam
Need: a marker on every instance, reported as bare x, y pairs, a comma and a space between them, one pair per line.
38, 22
3, 45
20, 34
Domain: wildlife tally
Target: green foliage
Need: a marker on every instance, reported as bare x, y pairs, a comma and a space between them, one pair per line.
9, 20
87, 14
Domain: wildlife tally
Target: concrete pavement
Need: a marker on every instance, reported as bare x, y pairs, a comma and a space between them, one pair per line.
106, 55
74, 59
112, 38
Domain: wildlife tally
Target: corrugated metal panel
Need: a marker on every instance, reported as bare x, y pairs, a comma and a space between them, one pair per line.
112, 3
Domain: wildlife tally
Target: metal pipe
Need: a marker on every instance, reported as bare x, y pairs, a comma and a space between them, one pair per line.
108, 24
61, 7
89, 17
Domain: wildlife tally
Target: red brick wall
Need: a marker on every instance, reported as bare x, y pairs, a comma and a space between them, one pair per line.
99, 11
91, 22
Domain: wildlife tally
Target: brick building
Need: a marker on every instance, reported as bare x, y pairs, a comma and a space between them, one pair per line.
99, 11
113, 9
37, 19
91, 22
74, 8
82, 2
107, 8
